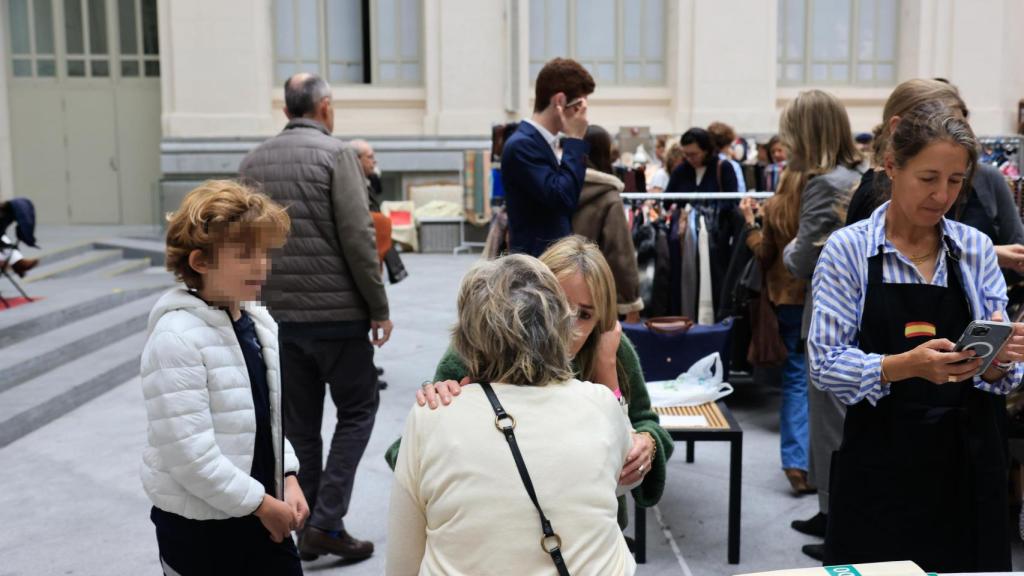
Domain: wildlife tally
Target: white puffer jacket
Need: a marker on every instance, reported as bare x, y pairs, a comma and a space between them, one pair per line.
202, 423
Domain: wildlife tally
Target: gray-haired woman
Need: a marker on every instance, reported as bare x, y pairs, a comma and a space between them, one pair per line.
458, 504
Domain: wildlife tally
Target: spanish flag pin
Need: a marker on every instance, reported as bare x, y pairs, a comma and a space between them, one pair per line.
919, 330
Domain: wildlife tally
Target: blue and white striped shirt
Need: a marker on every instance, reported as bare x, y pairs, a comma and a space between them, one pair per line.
839, 287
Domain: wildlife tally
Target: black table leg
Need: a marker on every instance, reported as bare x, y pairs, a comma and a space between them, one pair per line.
689, 451
639, 533
735, 481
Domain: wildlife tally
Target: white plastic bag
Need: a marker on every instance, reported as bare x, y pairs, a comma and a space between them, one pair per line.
701, 384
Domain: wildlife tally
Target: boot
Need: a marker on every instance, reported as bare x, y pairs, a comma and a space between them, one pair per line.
816, 551
813, 526
21, 267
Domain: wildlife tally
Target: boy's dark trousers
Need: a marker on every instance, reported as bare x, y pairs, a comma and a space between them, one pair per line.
239, 546
338, 360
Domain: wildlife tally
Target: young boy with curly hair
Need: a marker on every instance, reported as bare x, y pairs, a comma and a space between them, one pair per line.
217, 467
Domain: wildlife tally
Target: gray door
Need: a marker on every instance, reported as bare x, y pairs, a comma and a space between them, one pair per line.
85, 108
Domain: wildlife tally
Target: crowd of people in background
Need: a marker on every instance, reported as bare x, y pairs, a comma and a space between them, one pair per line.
864, 237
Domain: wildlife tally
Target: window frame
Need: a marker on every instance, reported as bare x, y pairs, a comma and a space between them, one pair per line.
620, 39
60, 55
33, 56
371, 65
139, 56
853, 62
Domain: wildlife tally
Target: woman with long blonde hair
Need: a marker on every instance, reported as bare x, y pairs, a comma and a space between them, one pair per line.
810, 204
815, 130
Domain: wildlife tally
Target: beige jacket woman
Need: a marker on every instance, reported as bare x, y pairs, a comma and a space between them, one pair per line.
601, 218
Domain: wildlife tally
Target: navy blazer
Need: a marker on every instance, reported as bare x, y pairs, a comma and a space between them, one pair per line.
541, 193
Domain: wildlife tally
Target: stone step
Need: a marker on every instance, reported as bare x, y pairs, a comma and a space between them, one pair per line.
35, 356
43, 399
69, 306
120, 267
74, 266
47, 257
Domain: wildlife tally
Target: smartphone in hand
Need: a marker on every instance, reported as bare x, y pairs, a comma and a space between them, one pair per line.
986, 339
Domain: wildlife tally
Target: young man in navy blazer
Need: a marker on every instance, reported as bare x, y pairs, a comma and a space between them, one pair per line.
541, 189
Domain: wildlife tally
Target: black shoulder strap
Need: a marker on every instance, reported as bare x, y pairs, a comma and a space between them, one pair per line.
504, 422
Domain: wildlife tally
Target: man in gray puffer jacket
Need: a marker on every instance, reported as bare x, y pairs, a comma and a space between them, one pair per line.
325, 292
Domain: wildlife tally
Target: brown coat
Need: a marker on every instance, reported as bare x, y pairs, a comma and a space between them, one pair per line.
601, 218
767, 245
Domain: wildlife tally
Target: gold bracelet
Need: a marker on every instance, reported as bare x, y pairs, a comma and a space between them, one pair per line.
654, 443
881, 369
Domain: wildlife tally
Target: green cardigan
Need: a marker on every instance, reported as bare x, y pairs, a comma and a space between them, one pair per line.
641, 415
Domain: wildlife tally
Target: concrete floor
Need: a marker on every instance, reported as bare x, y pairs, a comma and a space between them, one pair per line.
72, 502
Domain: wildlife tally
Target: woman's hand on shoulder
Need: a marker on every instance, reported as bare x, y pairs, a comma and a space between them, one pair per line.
430, 393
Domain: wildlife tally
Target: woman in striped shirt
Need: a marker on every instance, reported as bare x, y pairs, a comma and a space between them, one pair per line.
921, 473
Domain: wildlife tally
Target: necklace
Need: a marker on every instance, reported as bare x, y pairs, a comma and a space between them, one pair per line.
923, 258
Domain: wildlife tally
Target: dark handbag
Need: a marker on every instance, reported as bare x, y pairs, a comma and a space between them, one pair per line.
767, 349
500, 416
667, 349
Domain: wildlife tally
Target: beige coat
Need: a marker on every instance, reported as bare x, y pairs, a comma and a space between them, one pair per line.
601, 218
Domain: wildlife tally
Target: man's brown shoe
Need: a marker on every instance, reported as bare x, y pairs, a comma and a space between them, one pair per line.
21, 267
315, 541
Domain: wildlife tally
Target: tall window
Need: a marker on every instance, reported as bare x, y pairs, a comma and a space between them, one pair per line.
837, 42
33, 54
350, 41
618, 41
140, 49
79, 39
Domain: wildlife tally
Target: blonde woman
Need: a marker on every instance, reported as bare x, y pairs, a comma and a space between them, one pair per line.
459, 505
821, 174
599, 354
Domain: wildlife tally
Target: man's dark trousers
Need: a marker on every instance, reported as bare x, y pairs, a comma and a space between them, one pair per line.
337, 357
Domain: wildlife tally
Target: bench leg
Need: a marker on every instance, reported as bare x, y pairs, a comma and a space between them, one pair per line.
689, 451
639, 533
735, 484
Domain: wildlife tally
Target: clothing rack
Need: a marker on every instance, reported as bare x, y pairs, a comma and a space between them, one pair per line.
694, 195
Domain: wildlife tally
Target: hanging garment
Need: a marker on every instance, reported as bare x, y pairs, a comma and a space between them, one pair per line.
659, 304
688, 288
705, 303
922, 474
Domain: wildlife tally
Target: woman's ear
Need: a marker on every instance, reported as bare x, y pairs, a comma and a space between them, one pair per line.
197, 260
893, 123
890, 166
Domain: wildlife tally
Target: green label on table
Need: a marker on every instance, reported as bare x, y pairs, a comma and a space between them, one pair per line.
842, 571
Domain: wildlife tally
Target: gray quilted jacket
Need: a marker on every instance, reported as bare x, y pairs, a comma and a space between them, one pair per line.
328, 271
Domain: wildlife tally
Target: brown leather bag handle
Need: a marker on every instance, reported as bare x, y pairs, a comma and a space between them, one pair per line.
669, 324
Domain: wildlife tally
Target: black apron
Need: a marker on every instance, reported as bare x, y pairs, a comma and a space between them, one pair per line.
922, 475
